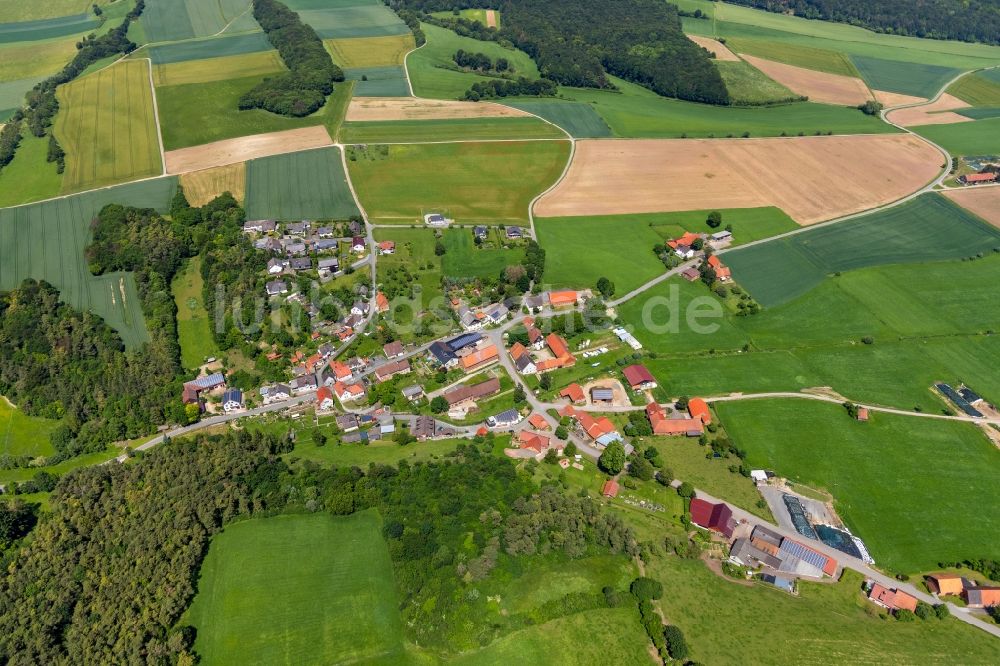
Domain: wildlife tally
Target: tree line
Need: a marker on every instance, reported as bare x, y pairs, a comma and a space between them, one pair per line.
480, 62
304, 88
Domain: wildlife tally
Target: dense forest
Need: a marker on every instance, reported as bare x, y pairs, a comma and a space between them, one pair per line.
581, 42
965, 20
106, 575
304, 88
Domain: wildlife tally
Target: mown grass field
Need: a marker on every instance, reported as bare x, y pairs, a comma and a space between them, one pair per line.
821, 60
22, 435
107, 127
981, 137
387, 81
434, 74
29, 177
370, 51
172, 20
639, 113
927, 228
218, 69
46, 241
918, 79
194, 331
458, 129
201, 49
464, 259
977, 89
337, 599
748, 85
309, 184
579, 120
18, 10
820, 445
469, 182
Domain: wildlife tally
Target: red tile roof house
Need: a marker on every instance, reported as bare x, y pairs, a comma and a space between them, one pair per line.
662, 425
324, 399
717, 517
574, 393
722, 272
892, 600
538, 422
698, 409
532, 441
639, 378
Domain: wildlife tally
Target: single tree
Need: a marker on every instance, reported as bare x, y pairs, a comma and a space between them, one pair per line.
612, 460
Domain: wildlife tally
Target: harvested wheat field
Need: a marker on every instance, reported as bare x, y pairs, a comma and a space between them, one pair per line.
891, 99
414, 108
231, 151
720, 50
983, 201
817, 86
812, 178
938, 112
200, 187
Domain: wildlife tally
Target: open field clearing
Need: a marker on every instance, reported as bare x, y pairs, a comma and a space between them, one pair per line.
890, 99
824, 623
460, 129
820, 60
468, 182
981, 137
939, 112
821, 446
414, 253
31, 31
370, 51
982, 201
29, 177
817, 86
218, 69
333, 572
12, 95
388, 81
107, 128
433, 71
464, 260
230, 151
23, 60
18, 10
639, 113
22, 435
413, 108
579, 120
46, 241
810, 178
920, 80
721, 51
748, 85
925, 229
310, 184
200, 187
194, 332
980, 89
172, 20
201, 49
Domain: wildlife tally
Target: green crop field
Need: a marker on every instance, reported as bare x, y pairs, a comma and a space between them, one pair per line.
927, 228
194, 332
370, 51
821, 60
639, 113
38, 60
434, 74
820, 445
978, 138
19, 10
980, 112
340, 20
46, 241
469, 182
218, 69
977, 89
200, 49
902, 77
22, 435
297, 589
12, 95
173, 20
29, 177
30, 31
579, 120
748, 85
459, 129
464, 259
310, 184
106, 126
388, 81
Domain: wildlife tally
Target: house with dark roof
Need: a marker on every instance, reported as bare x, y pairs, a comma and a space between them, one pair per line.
639, 378
424, 427
744, 553
393, 349
460, 394
301, 264
504, 419
297, 228
514, 232
387, 371
276, 287
600, 394
232, 400
481, 232
259, 226
413, 393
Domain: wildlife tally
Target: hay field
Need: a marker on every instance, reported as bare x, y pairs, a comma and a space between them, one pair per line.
218, 69
721, 51
310, 184
415, 108
810, 178
370, 51
107, 127
817, 86
200, 187
939, 112
52, 28
230, 151
982, 201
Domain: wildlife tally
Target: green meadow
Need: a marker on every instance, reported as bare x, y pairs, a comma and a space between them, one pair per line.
200, 49
18, 10
463, 259
309, 184
981, 137
458, 129
415, 253
384, 81
819, 445
194, 329
23, 435
29, 177
821, 60
579, 120
749, 86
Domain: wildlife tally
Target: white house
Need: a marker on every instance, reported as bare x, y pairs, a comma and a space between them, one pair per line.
435, 220
232, 400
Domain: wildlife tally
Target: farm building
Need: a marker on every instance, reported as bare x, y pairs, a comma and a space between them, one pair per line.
663, 425
722, 272
745, 553
717, 517
610, 488
982, 597
639, 378
801, 559
560, 351
595, 428
698, 409
480, 359
563, 299
605, 395
462, 394
978, 178
891, 600
946, 584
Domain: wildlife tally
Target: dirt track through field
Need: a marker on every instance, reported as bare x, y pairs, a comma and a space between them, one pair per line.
811, 178
413, 108
491, 18
230, 151
818, 86
941, 111
982, 201
721, 51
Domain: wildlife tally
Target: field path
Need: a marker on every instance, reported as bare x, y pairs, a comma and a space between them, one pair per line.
156, 117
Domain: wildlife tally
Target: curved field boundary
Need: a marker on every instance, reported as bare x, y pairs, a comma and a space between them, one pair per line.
982, 200
817, 86
940, 111
230, 151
